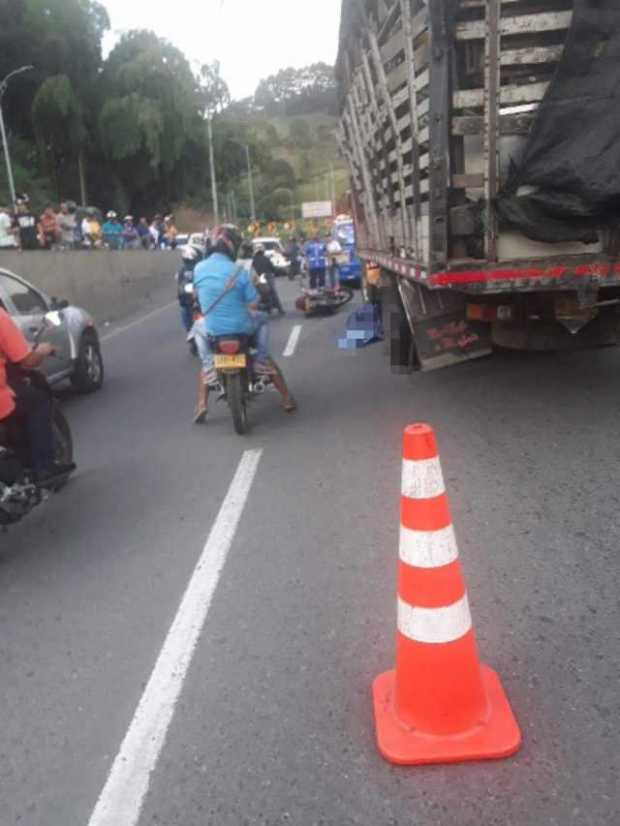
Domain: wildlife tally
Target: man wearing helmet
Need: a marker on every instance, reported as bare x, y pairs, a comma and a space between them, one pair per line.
190, 258
229, 300
113, 232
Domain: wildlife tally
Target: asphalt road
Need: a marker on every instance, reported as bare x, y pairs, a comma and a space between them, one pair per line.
273, 723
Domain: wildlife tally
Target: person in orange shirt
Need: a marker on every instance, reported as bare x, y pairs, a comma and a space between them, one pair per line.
29, 404
48, 229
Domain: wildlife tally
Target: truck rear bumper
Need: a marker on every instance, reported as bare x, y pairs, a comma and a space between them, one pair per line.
573, 273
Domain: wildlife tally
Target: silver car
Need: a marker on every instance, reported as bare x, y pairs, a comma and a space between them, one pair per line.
76, 341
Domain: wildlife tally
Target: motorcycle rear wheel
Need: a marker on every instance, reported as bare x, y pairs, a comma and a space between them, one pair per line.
237, 403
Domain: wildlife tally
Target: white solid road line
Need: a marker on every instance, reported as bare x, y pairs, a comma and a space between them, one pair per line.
122, 798
293, 341
139, 321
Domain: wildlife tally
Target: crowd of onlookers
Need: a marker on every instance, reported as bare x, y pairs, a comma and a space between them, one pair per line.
72, 227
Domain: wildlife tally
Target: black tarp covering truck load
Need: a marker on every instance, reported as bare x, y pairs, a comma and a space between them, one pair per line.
483, 139
572, 156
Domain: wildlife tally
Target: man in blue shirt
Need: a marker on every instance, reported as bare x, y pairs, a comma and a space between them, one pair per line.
229, 302
113, 232
316, 255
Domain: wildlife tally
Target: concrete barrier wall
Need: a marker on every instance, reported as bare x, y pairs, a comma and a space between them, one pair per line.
110, 285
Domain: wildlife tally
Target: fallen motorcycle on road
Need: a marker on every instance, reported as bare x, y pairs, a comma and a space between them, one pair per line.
323, 301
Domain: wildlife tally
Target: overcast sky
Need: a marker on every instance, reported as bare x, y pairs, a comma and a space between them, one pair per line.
251, 38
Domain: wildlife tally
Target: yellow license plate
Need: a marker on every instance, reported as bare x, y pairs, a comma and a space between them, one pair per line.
231, 362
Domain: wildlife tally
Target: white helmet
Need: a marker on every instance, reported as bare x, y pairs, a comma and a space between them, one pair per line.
111, 214
189, 253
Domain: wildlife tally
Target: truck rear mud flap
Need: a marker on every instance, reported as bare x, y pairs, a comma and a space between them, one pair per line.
440, 331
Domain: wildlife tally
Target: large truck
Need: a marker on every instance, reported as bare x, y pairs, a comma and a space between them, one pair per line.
483, 140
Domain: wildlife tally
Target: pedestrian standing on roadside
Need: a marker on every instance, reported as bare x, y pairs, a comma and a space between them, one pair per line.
91, 230
7, 233
25, 223
171, 232
48, 229
316, 255
113, 232
144, 234
67, 225
334, 251
131, 239
155, 230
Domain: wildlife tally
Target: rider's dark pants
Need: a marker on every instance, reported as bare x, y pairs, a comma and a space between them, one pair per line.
33, 408
274, 294
317, 278
187, 316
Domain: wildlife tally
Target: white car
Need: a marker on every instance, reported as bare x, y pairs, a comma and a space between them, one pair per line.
274, 252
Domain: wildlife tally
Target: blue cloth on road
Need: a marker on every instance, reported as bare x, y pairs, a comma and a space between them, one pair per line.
231, 315
364, 327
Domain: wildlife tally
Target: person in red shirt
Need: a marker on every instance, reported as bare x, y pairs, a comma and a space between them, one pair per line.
28, 403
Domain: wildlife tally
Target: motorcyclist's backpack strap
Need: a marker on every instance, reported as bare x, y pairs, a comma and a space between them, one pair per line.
229, 286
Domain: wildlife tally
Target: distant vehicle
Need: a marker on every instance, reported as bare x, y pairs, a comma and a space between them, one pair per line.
182, 239
350, 266
275, 252
78, 352
197, 239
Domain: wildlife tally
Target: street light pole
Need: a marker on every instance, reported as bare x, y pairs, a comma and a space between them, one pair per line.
251, 184
216, 206
5, 143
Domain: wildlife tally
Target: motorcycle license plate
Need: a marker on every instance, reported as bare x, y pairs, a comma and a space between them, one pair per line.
231, 362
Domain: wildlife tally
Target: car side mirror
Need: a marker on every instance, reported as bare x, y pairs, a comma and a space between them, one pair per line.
59, 305
54, 318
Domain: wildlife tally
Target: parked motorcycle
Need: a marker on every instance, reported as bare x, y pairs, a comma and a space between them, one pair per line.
238, 385
19, 491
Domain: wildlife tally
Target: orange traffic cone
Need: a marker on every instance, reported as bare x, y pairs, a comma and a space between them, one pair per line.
439, 705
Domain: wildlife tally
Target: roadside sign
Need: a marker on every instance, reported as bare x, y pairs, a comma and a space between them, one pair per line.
317, 209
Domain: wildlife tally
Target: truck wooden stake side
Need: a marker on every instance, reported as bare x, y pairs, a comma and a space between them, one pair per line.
440, 100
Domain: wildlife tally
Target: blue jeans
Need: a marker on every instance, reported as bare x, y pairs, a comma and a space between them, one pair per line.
187, 317
261, 332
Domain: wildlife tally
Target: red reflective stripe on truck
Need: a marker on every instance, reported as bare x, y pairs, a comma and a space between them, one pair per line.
527, 273
472, 277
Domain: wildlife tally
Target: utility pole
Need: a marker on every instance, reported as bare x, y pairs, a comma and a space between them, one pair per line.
216, 206
251, 185
5, 143
234, 205
332, 175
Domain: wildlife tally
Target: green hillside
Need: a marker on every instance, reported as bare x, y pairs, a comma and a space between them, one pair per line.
309, 146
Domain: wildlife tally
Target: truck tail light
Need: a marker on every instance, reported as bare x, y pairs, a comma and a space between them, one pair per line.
489, 312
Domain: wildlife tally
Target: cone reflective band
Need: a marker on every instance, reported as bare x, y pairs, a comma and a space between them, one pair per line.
439, 705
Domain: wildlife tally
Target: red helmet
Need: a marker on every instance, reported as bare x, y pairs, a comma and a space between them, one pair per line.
227, 239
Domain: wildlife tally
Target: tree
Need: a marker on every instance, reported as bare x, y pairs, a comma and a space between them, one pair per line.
62, 40
151, 114
300, 133
58, 120
298, 91
214, 91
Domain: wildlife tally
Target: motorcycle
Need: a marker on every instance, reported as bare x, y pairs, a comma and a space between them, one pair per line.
323, 301
19, 491
237, 383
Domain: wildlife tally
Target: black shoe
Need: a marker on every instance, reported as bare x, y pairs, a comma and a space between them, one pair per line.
55, 473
